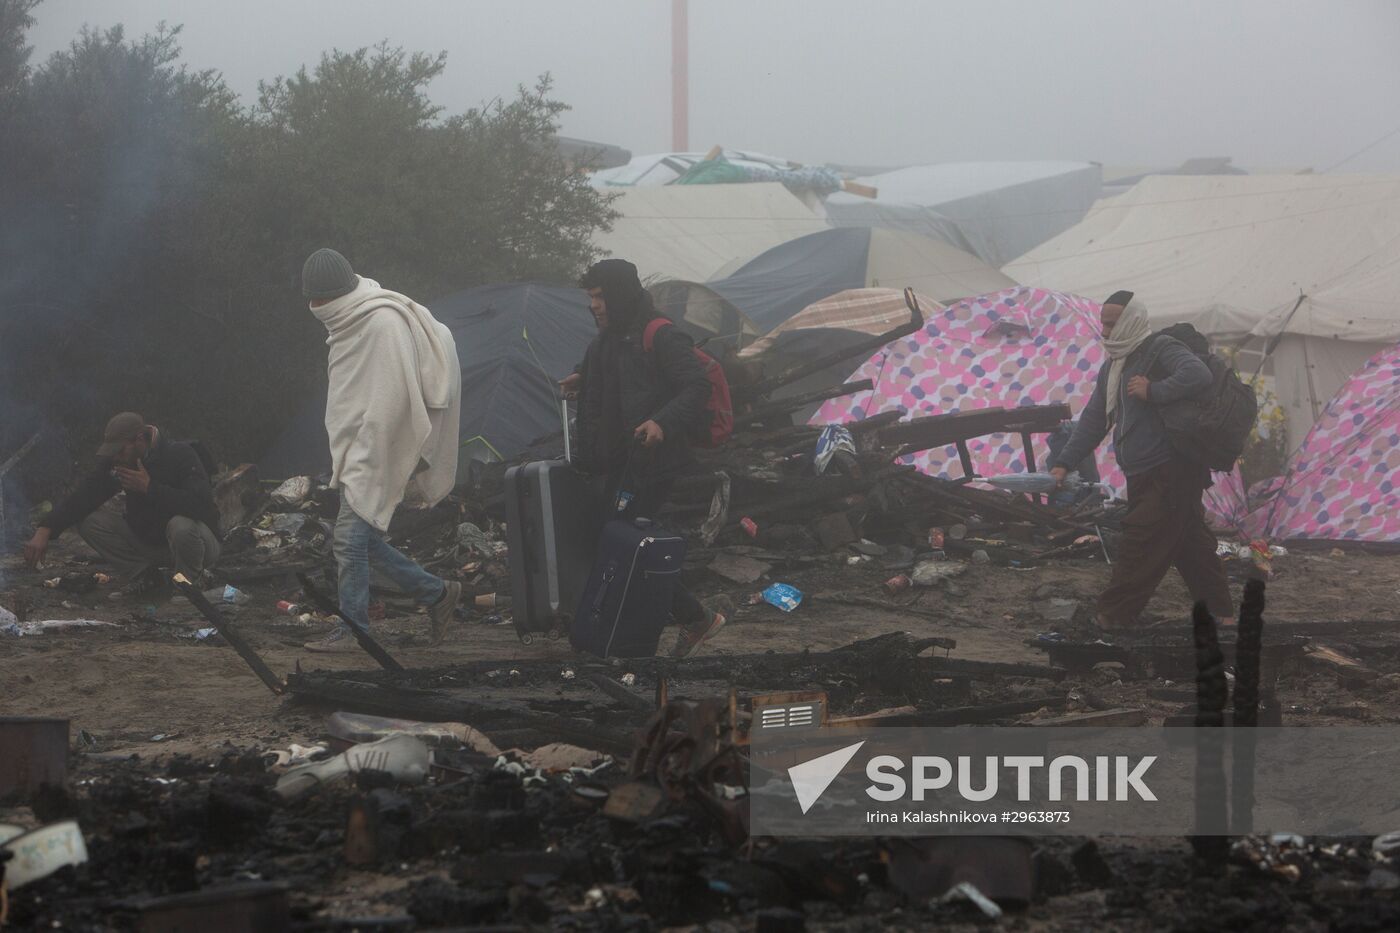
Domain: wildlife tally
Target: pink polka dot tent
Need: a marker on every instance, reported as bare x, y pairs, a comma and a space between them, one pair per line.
1343, 483
1013, 348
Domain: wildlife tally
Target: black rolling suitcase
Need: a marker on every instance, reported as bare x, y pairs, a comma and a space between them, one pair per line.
553, 519
627, 600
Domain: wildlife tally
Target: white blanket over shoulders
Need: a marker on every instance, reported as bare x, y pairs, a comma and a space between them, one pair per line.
395, 401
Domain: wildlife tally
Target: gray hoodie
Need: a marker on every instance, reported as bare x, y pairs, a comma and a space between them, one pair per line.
1139, 438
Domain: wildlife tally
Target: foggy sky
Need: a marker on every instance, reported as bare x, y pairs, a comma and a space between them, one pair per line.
1283, 84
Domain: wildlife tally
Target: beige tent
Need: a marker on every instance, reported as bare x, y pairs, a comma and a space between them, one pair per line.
1234, 254
700, 232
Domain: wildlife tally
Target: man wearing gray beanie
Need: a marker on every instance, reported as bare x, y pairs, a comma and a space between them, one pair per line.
392, 415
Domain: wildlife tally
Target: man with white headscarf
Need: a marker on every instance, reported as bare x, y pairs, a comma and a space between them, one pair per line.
393, 407
1165, 524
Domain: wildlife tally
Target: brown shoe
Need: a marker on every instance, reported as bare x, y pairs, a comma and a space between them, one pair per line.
444, 612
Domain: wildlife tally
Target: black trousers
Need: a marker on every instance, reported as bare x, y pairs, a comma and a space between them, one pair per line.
648, 495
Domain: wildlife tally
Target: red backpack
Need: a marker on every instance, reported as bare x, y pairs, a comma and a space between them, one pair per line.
720, 407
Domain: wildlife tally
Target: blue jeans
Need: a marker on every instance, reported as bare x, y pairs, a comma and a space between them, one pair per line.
356, 543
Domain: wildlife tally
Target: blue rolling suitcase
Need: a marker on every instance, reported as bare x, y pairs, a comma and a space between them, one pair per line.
627, 599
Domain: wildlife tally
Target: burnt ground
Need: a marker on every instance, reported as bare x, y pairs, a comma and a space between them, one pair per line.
147, 702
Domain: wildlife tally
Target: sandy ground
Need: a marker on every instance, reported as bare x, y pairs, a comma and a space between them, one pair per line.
125, 684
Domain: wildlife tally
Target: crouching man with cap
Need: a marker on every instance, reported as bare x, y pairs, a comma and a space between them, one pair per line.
170, 519
392, 415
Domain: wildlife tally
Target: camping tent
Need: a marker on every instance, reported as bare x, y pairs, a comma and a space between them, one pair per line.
993, 210
779, 283
856, 312
1343, 483
1020, 346
698, 232
1234, 254
1319, 343
513, 343
840, 322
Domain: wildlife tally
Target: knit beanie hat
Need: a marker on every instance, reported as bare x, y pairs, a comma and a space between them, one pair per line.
327, 275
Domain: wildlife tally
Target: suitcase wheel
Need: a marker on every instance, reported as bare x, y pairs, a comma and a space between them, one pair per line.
527, 639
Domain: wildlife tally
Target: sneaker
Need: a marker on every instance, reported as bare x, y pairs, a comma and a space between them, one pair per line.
691, 638
444, 612
150, 586
338, 639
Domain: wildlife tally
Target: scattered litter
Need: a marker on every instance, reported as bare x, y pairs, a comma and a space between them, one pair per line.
936, 539
294, 756
785, 596
227, 594
479, 542
967, 891
869, 548
898, 584
561, 756
834, 438
202, 634
10, 626
933, 572
287, 523
293, 492
750, 526
291, 609
629, 679
567, 674
1386, 844
41, 852
403, 756
358, 727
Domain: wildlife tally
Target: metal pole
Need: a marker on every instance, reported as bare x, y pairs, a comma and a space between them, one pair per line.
680, 76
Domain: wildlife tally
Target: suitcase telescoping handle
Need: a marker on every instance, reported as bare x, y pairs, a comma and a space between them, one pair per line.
596, 610
564, 419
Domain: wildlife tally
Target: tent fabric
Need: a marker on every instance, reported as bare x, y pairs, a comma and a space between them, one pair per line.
779, 283
697, 232
1223, 252
862, 311
994, 210
1016, 347
508, 394
1343, 484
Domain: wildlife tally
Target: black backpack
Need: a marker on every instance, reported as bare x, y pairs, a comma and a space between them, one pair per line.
1213, 427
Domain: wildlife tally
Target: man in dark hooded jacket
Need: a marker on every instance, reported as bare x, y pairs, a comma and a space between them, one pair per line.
636, 408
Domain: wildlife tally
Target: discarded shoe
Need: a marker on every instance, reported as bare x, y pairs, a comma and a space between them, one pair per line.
338, 639
444, 611
403, 756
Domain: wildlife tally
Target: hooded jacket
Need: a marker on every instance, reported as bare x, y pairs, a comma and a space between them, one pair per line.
625, 386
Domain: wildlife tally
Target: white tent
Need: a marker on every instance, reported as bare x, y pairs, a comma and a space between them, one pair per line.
994, 210
699, 232
1230, 253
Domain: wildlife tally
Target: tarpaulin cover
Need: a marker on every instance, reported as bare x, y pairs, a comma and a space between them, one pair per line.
1018, 347
509, 397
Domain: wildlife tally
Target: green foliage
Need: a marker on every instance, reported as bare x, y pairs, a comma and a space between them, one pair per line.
155, 227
